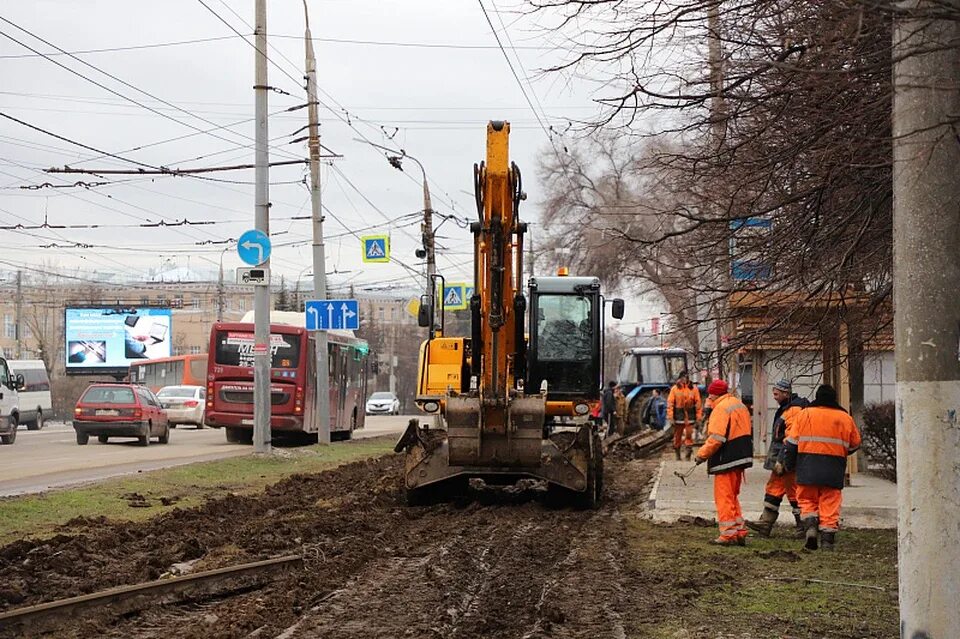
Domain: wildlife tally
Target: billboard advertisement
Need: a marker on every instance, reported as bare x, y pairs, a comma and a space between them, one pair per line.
107, 339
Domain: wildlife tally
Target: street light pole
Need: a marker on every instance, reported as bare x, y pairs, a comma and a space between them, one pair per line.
261, 300
429, 244
319, 259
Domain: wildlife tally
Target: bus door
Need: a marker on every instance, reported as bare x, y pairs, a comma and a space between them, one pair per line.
343, 383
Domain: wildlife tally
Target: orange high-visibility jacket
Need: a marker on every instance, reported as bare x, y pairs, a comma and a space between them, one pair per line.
817, 444
729, 442
686, 400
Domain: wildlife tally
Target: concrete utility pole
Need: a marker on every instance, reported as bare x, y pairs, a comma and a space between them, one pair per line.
18, 328
926, 269
319, 259
261, 300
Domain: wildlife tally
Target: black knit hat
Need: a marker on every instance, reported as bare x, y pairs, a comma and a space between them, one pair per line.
826, 394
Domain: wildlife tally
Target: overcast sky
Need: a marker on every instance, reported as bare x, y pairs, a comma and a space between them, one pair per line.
433, 101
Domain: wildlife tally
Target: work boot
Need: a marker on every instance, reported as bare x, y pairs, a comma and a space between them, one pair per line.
676, 451
689, 453
827, 541
764, 525
799, 532
729, 541
811, 532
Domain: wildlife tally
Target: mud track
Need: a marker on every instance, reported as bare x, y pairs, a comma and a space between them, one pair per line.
498, 563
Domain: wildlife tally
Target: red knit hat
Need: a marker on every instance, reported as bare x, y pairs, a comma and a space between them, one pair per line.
717, 387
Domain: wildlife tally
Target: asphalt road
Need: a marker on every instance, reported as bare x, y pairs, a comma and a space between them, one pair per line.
51, 458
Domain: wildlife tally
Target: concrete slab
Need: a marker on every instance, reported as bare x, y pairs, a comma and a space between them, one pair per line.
870, 502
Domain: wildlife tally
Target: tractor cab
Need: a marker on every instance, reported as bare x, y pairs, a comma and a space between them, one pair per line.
643, 371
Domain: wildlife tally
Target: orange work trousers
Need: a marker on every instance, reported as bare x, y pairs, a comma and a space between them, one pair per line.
823, 502
682, 434
726, 495
780, 485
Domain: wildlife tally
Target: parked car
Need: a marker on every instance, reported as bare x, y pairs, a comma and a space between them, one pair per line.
35, 402
10, 385
184, 404
383, 403
119, 410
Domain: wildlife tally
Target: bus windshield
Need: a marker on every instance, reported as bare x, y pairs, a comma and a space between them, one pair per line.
235, 348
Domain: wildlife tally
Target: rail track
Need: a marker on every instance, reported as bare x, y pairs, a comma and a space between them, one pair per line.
130, 599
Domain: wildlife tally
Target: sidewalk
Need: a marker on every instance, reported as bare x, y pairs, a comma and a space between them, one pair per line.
870, 502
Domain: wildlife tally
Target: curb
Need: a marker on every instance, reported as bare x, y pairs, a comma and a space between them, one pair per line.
652, 498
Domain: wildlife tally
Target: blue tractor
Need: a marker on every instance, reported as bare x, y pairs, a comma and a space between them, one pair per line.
646, 375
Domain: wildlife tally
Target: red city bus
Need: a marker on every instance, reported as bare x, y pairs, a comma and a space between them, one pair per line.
182, 370
292, 381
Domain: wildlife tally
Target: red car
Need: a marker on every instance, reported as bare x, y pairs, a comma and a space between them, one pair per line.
120, 410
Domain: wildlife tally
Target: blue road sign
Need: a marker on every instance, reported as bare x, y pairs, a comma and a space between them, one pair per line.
254, 247
325, 315
453, 297
376, 248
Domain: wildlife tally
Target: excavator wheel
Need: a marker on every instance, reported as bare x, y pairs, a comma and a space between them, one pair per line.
448, 490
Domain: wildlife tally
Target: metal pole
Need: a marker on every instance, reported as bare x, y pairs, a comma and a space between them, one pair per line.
261, 299
926, 269
319, 259
19, 319
220, 291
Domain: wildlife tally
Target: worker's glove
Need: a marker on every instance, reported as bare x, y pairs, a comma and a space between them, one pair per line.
700, 460
669, 423
778, 469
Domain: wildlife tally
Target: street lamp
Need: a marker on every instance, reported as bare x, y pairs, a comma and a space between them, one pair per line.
396, 161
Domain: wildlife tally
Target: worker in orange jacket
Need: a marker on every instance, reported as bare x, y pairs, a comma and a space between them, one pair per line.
728, 451
817, 445
781, 482
683, 410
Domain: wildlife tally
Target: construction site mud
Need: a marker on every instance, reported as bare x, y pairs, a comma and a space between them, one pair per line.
496, 563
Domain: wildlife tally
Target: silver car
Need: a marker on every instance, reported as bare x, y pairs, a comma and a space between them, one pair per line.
184, 404
383, 403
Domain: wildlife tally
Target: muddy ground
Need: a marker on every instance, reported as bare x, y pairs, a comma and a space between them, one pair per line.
498, 563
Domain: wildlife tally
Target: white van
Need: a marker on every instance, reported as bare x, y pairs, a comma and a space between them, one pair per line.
10, 383
35, 402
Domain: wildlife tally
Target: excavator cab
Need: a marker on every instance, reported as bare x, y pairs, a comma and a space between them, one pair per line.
565, 338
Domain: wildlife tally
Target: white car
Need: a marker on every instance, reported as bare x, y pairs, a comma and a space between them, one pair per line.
184, 404
383, 403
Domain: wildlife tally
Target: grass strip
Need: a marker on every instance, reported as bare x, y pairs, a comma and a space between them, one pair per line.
148, 494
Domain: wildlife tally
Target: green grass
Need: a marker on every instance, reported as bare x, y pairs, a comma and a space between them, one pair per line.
740, 592
184, 486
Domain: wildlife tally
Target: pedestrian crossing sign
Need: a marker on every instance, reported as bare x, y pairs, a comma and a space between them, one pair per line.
376, 248
454, 298
467, 294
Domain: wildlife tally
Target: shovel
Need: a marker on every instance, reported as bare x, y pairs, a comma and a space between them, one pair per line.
683, 476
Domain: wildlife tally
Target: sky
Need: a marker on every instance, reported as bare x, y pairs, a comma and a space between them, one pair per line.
424, 76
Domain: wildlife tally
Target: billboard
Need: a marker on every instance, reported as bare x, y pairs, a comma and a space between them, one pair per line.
105, 340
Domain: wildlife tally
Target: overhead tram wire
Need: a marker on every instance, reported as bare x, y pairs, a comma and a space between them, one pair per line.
123, 82
366, 199
346, 120
135, 47
114, 155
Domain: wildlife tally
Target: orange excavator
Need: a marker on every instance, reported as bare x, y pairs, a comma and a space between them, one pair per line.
512, 400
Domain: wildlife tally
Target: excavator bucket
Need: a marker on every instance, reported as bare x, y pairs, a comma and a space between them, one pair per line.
439, 461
